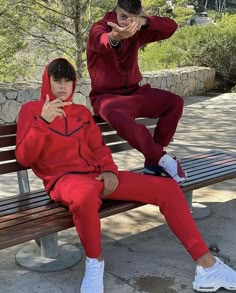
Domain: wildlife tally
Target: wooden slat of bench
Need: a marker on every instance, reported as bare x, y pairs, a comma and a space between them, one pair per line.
36, 228
7, 155
7, 141
23, 202
36, 231
21, 214
11, 167
24, 196
197, 164
7, 129
201, 158
208, 179
24, 223
216, 167
17, 209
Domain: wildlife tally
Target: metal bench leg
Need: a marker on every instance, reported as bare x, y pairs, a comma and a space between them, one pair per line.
23, 181
198, 210
47, 256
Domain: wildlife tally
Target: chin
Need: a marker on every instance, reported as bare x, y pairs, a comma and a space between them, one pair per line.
63, 98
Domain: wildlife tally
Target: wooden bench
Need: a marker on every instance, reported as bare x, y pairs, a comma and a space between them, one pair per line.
34, 216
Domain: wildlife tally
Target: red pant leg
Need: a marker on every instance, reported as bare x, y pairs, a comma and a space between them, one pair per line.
167, 106
165, 193
81, 193
120, 112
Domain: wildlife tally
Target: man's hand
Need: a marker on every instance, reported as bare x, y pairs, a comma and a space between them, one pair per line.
53, 109
119, 33
110, 182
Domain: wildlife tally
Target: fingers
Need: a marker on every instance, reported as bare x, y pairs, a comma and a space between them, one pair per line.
47, 100
54, 108
60, 103
110, 183
113, 25
109, 187
60, 112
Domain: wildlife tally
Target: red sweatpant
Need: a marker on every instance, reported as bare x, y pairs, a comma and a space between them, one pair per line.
81, 193
120, 112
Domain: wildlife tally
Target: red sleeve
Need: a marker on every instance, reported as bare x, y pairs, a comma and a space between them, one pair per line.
100, 150
31, 134
158, 28
98, 38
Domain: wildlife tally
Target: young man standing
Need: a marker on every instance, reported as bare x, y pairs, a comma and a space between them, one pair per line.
62, 144
116, 96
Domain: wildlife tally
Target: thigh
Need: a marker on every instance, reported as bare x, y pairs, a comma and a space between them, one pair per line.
153, 101
144, 188
76, 188
106, 105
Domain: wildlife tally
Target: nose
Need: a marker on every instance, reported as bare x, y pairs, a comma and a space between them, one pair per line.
62, 84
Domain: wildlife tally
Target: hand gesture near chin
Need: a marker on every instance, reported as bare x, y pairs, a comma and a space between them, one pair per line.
52, 109
119, 33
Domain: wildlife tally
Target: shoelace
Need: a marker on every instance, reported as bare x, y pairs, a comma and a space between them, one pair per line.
228, 272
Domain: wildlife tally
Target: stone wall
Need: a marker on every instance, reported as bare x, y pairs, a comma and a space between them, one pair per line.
182, 81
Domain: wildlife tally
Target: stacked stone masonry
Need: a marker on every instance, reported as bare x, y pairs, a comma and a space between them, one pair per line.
185, 81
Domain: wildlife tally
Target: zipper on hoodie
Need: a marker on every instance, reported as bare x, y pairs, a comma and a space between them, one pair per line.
66, 132
84, 158
66, 126
126, 72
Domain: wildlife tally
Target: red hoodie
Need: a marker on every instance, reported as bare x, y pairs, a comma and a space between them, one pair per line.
116, 71
72, 144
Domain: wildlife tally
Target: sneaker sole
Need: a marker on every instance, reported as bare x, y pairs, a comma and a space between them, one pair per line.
212, 289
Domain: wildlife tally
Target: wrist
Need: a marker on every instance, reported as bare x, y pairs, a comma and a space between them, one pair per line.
113, 43
146, 21
113, 37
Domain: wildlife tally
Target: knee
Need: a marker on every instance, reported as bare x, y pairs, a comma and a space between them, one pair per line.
116, 118
85, 204
177, 101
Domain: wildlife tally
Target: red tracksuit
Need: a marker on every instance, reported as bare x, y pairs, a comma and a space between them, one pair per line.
116, 95
68, 154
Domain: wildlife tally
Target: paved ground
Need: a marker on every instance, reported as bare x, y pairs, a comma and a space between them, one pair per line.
141, 253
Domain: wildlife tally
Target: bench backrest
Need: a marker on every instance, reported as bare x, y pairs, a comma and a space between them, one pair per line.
8, 162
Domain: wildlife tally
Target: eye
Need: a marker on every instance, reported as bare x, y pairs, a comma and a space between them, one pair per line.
124, 16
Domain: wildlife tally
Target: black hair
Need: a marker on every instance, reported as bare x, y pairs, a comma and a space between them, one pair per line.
61, 68
130, 6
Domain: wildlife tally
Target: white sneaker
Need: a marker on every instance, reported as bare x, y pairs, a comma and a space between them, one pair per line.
93, 277
214, 278
173, 168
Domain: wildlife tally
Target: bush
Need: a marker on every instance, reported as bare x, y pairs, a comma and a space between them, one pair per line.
210, 45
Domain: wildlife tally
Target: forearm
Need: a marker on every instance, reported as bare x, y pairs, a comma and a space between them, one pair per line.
30, 140
163, 25
99, 39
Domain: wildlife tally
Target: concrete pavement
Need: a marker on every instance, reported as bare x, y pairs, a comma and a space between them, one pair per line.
141, 253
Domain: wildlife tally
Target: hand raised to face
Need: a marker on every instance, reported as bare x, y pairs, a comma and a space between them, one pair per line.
52, 109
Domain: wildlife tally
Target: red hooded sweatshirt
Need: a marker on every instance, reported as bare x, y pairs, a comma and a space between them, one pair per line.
72, 144
116, 71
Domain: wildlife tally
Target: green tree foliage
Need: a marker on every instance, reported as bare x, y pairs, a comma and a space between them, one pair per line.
49, 29
11, 42
211, 45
